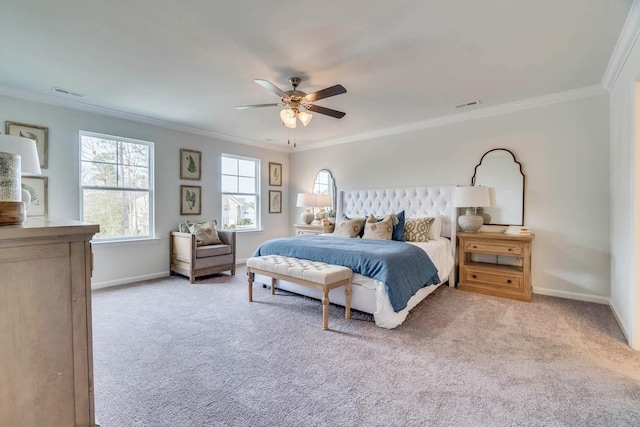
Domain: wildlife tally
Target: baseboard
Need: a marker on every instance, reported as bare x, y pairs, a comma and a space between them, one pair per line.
128, 280
572, 295
619, 320
241, 261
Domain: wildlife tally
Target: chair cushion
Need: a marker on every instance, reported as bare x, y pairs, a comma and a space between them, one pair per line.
212, 250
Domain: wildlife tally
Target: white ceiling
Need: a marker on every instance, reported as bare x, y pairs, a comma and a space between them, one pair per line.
191, 62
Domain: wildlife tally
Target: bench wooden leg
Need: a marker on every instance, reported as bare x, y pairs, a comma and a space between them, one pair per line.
347, 305
250, 279
273, 286
325, 309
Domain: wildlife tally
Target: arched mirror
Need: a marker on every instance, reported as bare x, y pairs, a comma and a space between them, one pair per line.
324, 184
499, 170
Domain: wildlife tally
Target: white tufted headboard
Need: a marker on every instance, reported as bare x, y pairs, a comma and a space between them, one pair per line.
436, 200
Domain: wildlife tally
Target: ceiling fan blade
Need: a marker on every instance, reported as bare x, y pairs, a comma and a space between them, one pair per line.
244, 107
325, 93
326, 111
273, 88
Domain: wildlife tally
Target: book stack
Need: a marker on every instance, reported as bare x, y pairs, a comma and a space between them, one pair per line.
516, 230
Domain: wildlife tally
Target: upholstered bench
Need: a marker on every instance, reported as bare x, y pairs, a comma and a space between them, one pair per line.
317, 275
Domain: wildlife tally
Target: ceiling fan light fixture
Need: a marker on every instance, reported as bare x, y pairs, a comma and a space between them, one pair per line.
288, 118
304, 117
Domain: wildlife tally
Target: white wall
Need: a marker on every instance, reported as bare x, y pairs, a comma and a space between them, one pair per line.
122, 263
564, 151
625, 196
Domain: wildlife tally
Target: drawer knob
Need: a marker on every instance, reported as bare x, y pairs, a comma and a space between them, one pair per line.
473, 275
475, 247
509, 249
509, 281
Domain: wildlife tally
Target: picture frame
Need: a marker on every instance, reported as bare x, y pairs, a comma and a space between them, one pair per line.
275, 174
190, 164
38, 188
39, 134
190, 199
275, 201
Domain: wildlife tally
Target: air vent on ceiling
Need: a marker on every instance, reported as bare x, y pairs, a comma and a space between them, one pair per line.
66, 92
468, 104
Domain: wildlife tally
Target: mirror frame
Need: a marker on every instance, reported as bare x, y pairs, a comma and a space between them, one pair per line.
332, 185
475, 172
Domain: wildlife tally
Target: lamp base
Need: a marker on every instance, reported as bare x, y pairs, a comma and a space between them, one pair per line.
306, 217
12, 213
470, 223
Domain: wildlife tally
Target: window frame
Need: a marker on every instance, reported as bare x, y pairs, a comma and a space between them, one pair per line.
258, 191
150, 190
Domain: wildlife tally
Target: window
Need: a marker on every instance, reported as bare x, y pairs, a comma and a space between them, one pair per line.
240, 193
116, 183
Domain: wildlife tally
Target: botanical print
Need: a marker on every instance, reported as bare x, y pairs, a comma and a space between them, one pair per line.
190, 164
190, 200
37, 187
275, 174
275, 201
38, 133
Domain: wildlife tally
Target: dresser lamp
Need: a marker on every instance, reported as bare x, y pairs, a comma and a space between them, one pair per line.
308, 201
18, 156
471, 197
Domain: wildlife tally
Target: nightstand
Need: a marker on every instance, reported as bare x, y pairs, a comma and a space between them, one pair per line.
512, 280
313, 229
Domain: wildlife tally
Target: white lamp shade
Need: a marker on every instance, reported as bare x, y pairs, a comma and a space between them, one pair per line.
304, 117
472, 197
27, 150
288, 117
306, 200
324, 200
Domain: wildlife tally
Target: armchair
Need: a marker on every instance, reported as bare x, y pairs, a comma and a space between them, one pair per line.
191, 260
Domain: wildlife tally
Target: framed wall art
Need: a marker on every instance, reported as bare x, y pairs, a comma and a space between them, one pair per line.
190, 164
275, 174
38, 188
275, 201
190, 199
39, 134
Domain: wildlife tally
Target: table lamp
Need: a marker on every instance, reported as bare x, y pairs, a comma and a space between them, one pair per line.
18, 156
471, 197
306, 200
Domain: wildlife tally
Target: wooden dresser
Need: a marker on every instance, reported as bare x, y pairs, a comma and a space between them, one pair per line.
493, 277
46, 369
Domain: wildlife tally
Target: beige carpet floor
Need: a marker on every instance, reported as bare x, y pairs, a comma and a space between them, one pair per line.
168, 353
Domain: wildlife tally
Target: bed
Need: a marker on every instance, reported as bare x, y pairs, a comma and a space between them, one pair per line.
370, 295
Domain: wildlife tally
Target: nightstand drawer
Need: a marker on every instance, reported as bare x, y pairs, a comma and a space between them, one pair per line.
477, 277
506, 248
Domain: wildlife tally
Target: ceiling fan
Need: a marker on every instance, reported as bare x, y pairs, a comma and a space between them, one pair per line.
298, 102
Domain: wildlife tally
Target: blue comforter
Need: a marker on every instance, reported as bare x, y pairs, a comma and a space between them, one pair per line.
404, 268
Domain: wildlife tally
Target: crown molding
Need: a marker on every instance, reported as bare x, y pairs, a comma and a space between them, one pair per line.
75, 105
480, 113
625, 43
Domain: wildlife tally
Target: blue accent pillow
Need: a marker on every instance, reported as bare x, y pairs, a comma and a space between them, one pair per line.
398, 229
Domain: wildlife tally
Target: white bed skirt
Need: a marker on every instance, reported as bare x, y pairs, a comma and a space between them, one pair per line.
370, 297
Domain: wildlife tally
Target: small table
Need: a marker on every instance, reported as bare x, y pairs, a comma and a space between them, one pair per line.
313, 229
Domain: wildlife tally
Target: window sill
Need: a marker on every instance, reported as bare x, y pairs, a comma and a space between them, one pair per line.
125, 242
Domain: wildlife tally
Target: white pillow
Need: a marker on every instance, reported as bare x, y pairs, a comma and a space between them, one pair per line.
435, 231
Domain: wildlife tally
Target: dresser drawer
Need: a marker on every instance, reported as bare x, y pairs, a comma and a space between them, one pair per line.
500, 248
503, 280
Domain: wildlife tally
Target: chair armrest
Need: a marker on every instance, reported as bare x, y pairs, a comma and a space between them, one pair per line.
183, 246
228, 237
